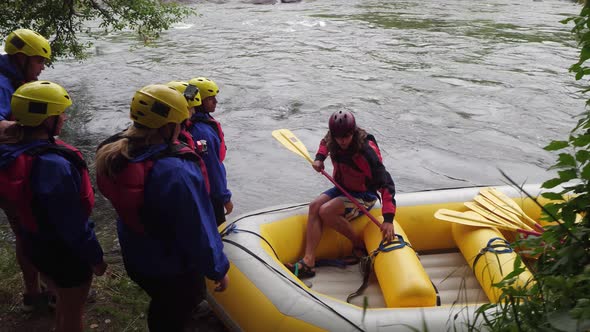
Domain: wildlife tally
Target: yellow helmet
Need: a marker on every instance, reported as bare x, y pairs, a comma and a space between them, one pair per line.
157, 105
34, 102
207, 87
27, 42
190, 92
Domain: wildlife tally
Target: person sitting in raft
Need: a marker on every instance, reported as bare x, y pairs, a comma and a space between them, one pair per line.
46, 183
203, 126
359, 170
166, 225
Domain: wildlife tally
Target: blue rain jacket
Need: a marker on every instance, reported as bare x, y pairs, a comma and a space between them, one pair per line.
8, 74
56, 185
176, 202
215, 168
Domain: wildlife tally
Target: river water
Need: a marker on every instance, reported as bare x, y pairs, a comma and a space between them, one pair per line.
452, 89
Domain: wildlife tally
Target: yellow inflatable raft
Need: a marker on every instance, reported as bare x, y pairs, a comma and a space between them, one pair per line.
435, 278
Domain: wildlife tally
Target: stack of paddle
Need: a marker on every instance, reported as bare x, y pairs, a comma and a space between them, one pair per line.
492, 208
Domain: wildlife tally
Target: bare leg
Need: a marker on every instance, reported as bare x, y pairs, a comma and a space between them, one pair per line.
332, 213
30, 273
70, 308
314, 228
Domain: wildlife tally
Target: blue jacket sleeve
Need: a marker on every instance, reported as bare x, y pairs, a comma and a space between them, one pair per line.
56, 189
179, 196
215, 168
5, 97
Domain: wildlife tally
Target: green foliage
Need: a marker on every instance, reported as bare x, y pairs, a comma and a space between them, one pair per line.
559, 299
63, 21
120, 300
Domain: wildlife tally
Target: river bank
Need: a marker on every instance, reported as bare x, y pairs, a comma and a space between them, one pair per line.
118, 304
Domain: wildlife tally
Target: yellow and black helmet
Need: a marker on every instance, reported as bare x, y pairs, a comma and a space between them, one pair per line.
27, 42
207, 87
34, 102
189, 91
157, 105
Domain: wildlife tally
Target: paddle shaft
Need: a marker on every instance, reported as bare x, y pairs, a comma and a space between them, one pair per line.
352, 199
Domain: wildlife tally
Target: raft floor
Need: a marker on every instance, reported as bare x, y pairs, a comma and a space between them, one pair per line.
454, 280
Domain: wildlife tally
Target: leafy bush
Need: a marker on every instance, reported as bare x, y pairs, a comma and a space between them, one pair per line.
559, 298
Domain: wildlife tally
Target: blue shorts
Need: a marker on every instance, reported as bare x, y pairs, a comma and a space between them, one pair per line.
351, 211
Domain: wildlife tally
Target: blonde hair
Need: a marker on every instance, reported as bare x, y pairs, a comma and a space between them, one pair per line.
112, 157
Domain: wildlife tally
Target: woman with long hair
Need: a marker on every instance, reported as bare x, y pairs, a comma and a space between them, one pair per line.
359, 170
166, 223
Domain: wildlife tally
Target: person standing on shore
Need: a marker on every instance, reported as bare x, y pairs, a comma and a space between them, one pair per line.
166, 224
204, 127
26, 54
46, 183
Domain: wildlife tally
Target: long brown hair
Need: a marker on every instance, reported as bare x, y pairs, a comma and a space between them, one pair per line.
358, 139
15, 133
112, 156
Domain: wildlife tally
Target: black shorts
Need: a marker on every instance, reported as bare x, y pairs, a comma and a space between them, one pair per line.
173, 299
56, 261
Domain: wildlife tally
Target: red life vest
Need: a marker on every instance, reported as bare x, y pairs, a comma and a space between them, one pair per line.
354, 172
217, 127
15, 182
126, 190
186, 138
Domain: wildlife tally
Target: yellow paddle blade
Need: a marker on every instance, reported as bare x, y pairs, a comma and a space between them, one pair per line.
464, 218
506, 217
471, 218
506, 203
291, 142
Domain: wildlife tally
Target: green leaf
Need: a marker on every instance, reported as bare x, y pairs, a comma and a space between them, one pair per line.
586, 172
552, 196
556, 145
567, 175
583, 156
576, 67
581, 140
584, 54
552, 183
566, 160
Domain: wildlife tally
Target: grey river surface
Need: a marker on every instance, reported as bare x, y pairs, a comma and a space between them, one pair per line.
452, 89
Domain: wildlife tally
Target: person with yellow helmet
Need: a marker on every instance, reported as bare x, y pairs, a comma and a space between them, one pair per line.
165, 223
26, 53
46, 183
203, 126
193, 98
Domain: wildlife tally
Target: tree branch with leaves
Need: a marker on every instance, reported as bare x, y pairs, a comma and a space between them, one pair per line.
63, 21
